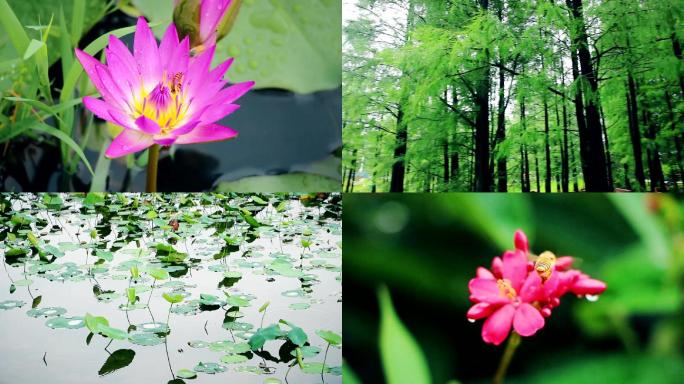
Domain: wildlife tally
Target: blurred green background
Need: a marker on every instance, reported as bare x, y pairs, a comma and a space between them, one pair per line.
425, 248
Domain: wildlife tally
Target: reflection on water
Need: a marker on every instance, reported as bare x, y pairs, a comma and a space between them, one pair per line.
254, 282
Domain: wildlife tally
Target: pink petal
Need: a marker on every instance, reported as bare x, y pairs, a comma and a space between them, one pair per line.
205, 133
551, 284
127, 79
198, 71
498, 325
484, 273
111, 91
119, 49
220, 70
147, 125
178, 62
147, 54
515, 268
211, 13
497, 267
527, 320
520, 241
532, 288
486, 290
233, 92
128, 141
480, 310
564, 262
90, 65
217, 112
100, 109
587, 286
168, 45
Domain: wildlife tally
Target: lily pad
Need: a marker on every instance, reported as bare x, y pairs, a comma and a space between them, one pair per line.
154, 327
74, 322
210, 368
233, 359
198, 344
11, 304
145, 339
47, 311
299, 306
185, 373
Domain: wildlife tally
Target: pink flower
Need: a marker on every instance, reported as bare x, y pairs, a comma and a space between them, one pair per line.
159, 94
507, 301
519, 293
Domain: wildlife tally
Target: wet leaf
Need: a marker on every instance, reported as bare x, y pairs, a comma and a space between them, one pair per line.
120, 358
329, 336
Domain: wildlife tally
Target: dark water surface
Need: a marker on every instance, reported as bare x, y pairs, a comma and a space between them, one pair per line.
262, 265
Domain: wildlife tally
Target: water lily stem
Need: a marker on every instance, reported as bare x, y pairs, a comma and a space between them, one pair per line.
152, 159
513, 343
325, 357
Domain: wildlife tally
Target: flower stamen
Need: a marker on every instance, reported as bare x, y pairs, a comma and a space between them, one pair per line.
506, 288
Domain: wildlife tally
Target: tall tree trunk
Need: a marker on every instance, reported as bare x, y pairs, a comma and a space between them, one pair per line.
628, 185
565, 166
482, 171
655, 166
547, 148
634, 132
398, 168
536, 166
501, 171
527, 170
573, 168
445, 154
352, 173
595, 175
609, 162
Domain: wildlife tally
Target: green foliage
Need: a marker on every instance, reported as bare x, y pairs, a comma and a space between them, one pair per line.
402, 358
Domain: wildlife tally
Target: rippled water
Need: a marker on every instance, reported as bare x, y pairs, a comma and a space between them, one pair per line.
277, 251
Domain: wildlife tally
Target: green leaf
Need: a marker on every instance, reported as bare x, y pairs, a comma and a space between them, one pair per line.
173, 298
296, 334
158, 273
113, 333
12, 25
118, 359
95, 322
402, 359
104, 255
32, 48
331, 337
77, 21
264, 306
286, 44
130, 292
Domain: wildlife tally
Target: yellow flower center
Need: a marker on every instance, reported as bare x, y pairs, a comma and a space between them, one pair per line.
165, 104
506, 289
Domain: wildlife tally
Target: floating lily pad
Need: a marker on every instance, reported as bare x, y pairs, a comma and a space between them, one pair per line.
299, 306
23, 282
315, 368
233, 359
146, 339
295, 293
185, 373
237, 326
47, 311
74, 322
210, 368
198, 344
11, 304
154, 327
307, 351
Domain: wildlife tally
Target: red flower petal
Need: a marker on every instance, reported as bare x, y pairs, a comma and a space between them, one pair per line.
515, 268
498, 325
520, 241
527, 320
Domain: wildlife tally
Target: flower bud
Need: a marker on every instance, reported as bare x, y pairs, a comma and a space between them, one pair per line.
204, 21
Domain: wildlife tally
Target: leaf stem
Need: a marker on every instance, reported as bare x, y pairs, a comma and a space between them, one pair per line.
513, 343
152, 160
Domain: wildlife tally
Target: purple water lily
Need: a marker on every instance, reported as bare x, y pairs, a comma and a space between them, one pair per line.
160, 94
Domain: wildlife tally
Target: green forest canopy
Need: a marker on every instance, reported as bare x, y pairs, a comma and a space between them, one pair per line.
502, 95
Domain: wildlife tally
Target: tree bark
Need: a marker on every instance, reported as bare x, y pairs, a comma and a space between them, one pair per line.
634, 132
398, 168
594, 165
482, 171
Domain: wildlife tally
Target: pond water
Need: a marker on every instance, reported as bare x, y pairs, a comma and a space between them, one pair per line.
257, 281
